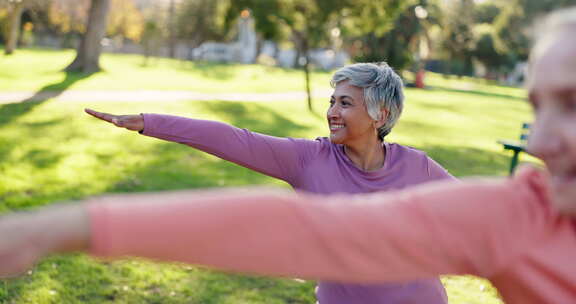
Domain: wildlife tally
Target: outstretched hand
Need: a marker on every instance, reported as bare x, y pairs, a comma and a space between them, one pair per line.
18, 250
130, 122
27, 237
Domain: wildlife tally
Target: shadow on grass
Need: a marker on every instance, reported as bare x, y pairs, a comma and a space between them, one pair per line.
39, 158
11, 111
255, 118
475, 92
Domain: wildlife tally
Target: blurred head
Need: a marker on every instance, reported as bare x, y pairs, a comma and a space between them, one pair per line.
367, 101
552, 92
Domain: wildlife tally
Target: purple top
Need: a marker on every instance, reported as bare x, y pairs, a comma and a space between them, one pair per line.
317, 166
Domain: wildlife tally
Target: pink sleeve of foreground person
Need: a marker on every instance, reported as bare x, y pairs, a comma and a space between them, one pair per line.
474, 227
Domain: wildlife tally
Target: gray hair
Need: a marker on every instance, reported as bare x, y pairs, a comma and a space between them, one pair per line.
545, 27
382, 90
555, 21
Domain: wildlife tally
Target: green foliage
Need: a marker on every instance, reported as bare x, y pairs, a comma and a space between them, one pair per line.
263, 12
125, 20
51, 151
69, 17
486, 12
198, 21
395, 45
372, 17
310, 22
458, 38
513, 27
486, 52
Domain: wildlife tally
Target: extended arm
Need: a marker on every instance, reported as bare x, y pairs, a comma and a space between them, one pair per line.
274, 156
474, 227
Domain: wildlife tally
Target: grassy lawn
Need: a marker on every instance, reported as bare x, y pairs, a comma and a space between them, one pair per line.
37, 69
51, 151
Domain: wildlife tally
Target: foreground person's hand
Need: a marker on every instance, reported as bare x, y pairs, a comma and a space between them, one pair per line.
130, 122
27, 237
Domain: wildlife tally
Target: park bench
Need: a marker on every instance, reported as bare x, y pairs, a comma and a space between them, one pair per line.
517, 146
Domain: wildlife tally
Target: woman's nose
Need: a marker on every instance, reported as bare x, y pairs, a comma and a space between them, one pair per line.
333, 111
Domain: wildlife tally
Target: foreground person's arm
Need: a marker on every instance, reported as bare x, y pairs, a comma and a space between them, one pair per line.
473, 227
26, 237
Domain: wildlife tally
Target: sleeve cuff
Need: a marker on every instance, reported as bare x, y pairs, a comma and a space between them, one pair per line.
148, 124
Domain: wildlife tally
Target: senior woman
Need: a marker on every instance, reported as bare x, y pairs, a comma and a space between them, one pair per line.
366, 104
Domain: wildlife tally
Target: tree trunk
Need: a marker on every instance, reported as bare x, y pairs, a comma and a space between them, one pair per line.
14, 27
308, 88
172, 30
88, 52
259, 46
306, 67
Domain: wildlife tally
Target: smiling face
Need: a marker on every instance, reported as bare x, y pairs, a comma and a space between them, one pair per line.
347, 116
552, 91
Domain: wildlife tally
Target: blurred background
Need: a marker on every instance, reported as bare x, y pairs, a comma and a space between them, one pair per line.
263, 65
463, 37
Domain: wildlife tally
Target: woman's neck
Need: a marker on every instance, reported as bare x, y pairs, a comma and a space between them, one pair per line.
367, 156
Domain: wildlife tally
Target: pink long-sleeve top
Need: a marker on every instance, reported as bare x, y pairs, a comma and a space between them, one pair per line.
504, 230
316, 166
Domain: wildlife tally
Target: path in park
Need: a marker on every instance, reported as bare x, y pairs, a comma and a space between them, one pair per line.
144, 95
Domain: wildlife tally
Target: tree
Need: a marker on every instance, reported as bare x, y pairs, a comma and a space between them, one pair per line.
485, 50
266, 23
398, 37
308, 21
458, 39
150, 39
16, 8
198, 21
513, 27
88, 53
311, 22
486, 53
486, 12
125, 20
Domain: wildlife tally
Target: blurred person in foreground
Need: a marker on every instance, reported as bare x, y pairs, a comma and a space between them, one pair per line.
520, 233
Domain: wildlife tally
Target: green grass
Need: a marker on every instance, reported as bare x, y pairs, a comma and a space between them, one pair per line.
51, 151
36, 69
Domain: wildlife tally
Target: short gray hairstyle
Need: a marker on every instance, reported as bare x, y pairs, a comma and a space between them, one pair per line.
544, 28
555, 21
383, 89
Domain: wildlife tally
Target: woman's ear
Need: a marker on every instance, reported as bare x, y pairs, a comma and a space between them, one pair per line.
383, 118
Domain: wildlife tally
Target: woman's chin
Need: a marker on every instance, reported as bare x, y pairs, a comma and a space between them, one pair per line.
335, 139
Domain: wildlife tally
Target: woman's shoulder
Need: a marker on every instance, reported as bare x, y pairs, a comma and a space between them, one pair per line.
417, 161
403, 151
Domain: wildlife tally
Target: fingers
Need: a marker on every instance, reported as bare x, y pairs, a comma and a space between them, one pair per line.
130, 122
103, 116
